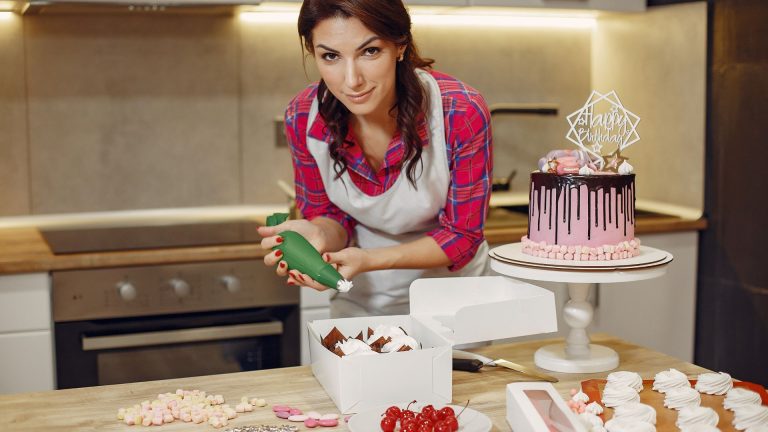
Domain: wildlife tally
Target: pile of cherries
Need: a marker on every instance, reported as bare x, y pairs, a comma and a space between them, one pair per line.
428, 420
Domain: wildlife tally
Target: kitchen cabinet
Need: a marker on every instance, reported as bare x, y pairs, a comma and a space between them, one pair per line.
26, 337
657, 313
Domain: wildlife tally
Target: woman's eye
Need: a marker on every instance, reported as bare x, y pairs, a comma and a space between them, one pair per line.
329, 56
371, 51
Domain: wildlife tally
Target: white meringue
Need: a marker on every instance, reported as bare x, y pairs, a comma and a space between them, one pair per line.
681, 397
385, 331
636, 411
398, 342
625, 425
750, 417
714, 383
615, 395
590, 420
352, 347
738, 397
580, 397
594, 408
585, 170
670, 379
629, 379
626, 168
692, 415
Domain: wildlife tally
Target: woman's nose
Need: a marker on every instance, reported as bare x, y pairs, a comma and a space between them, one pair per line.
353, 78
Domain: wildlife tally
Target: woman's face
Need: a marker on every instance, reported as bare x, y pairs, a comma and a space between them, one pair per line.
357, 66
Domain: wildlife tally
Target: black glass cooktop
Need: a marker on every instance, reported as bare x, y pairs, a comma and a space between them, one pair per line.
106, 239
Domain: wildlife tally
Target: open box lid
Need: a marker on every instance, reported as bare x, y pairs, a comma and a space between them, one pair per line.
484, 308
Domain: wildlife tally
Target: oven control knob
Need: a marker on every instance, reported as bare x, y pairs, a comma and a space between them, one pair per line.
231, 283
126, 290
180, 287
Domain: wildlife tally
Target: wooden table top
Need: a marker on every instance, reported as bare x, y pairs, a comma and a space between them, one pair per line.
95, 408
23, 250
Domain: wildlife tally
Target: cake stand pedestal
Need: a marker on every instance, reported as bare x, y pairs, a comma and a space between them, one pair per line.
577, 355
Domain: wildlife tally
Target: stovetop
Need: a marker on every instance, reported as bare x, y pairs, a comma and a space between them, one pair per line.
110, 239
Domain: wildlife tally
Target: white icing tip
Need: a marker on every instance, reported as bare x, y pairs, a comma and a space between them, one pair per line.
344, 285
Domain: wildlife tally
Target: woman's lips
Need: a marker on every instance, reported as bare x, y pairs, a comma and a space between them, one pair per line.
360, 97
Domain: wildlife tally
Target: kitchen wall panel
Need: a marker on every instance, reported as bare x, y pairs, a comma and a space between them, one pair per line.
132, 112
14, 158
517, 65
272, 74
656, 62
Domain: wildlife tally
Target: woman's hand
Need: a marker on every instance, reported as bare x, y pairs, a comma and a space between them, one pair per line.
349, 262
271, 238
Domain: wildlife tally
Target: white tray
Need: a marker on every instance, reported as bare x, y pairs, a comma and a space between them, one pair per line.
513, 254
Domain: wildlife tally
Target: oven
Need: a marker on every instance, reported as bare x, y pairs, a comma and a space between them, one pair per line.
140, 323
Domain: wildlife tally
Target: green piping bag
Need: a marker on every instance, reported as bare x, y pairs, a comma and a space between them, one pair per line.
300, 255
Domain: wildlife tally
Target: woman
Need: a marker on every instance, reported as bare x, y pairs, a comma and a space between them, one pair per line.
392, 160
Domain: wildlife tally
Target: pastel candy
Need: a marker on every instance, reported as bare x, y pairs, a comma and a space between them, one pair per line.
298, 418
314, 415
295, 411
311, 423
283, 414
328, 422
278, 408
329, 417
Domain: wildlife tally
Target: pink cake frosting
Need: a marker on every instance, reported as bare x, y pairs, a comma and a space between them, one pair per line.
578, 213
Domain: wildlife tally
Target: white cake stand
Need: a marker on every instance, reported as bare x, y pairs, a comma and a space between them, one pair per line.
576, 355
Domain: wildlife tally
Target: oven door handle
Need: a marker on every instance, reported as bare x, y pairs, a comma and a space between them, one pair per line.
93, 343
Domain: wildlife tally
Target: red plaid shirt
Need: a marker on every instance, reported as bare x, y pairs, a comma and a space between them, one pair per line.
468, 143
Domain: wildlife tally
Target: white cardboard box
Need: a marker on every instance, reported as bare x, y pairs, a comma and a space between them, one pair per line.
532, 406
444, 312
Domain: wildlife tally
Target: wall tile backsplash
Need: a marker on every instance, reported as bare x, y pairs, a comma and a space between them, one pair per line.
102, 112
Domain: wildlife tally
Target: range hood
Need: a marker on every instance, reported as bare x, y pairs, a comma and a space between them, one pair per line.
134, 6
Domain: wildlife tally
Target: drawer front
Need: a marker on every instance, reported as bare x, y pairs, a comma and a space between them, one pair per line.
26, 363
25, 302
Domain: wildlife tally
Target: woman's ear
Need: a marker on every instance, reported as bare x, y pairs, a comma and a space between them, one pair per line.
401, 53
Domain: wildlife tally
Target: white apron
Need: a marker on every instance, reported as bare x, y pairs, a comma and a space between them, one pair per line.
401, 214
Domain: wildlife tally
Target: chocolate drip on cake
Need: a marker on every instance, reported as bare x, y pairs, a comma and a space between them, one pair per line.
616, 188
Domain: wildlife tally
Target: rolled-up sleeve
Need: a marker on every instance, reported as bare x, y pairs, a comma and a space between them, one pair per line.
468, 130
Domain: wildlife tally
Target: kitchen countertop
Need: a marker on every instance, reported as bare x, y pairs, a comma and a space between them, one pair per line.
23, 250
95, 408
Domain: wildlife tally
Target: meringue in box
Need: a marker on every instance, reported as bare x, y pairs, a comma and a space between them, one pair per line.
444, 311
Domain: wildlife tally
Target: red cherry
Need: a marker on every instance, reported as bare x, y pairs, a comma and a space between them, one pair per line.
394, 411
447, 412
388, 424
425, 428
407, 414
426, 423
428, 409
452, 423
442, 426
409, 427
435, 416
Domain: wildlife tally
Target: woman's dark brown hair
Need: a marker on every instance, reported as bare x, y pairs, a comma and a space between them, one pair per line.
389, 20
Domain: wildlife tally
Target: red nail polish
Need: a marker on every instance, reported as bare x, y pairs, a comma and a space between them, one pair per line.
290, 283
279, 253
279, 239
301, 278
282, 264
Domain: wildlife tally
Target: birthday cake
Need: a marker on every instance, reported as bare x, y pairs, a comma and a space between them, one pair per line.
582, 203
